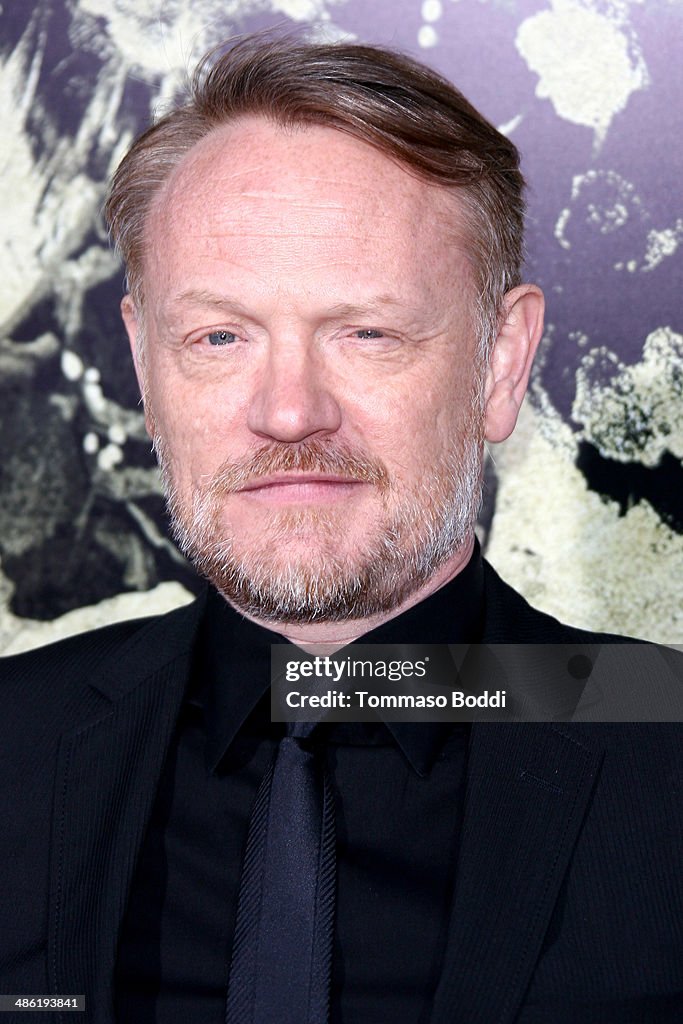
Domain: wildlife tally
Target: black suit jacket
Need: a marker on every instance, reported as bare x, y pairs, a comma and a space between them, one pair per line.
568, 904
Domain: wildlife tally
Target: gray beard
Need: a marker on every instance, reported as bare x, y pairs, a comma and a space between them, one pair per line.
425, 528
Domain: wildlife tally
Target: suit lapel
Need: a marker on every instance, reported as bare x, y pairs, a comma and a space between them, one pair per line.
528, 790
107, 774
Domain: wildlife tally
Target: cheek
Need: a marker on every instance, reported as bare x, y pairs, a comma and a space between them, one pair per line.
183, 406
443, 431
405, 421
193, 428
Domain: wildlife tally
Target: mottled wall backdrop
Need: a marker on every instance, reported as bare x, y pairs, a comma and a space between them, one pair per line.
584, 508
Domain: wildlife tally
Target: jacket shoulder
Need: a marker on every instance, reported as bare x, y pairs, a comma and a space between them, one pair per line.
70, 662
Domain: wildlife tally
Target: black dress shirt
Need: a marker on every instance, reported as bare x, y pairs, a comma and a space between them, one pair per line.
399, 790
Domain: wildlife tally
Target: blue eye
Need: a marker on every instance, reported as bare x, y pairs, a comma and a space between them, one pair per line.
221, 338
367, 335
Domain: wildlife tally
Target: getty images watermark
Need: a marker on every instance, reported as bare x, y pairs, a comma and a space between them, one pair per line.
617, 682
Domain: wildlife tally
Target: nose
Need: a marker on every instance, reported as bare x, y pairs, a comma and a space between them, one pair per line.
293, 400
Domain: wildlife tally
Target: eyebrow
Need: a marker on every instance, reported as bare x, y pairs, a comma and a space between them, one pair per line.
200, 297
377, 304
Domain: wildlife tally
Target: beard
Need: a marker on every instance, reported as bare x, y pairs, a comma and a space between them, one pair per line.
415, 530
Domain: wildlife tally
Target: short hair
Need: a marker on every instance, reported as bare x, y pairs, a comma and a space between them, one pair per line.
405, 110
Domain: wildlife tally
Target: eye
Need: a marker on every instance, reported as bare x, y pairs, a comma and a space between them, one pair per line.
221, 337
368, 334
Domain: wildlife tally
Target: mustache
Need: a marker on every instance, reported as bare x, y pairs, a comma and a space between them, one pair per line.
305, 457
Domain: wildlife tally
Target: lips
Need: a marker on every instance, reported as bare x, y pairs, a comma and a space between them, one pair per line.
284, 480
303, 489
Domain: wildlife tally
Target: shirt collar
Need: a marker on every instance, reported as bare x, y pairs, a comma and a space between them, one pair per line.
232, 662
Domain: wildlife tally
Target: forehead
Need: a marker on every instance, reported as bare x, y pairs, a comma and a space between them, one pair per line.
255, 190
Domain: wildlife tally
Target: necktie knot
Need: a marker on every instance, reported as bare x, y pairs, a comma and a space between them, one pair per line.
302, 730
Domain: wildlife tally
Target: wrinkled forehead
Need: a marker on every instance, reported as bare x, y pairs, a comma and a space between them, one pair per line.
261, 184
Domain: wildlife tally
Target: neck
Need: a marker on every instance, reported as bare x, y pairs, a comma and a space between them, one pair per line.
327, 637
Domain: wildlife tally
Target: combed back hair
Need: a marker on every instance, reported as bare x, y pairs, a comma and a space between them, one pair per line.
390, 101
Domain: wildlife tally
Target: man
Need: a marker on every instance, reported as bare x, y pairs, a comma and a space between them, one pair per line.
327, 320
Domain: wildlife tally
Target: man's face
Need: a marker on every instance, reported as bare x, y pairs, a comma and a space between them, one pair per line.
310, 371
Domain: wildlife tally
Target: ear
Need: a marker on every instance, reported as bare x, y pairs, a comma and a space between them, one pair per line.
134, 330
510, 361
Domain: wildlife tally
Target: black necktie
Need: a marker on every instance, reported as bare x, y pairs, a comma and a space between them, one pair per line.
282, 951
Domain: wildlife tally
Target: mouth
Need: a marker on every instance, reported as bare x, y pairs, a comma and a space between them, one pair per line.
301, 488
